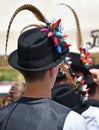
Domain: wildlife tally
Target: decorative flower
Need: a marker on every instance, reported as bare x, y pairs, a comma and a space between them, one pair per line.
55, 31
81, 88
85, 57
67, 62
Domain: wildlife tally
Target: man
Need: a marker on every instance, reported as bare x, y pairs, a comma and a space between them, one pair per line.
37, 59
90, 107
91, 114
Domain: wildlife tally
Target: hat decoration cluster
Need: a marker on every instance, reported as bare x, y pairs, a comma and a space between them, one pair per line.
85, 57
67, 62
81, 88
54, 30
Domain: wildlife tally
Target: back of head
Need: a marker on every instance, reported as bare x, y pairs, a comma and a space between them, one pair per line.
66, 95
40, 48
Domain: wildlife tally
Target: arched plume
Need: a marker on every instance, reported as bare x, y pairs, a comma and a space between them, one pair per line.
79, 43
29, 7
31, 25
79, 36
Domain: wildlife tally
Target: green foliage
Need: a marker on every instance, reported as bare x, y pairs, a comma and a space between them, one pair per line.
8, 75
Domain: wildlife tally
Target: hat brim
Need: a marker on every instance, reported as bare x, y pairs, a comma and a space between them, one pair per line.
13, 61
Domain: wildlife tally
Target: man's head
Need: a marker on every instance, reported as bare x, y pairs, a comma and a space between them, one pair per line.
41, 48
36, 52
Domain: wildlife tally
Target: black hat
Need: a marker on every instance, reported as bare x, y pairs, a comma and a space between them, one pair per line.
76, 63
36, 52
65, 95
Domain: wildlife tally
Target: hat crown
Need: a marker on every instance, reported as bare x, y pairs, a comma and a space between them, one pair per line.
31, 44
36, 51
76, 63
34, 46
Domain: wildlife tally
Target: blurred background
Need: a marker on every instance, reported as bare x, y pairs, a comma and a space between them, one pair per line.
88, 14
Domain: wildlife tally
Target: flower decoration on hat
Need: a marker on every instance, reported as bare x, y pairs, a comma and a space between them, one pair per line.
85, 57
81, 88
54, 30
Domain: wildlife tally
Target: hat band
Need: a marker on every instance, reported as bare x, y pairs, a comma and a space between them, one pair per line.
38, 63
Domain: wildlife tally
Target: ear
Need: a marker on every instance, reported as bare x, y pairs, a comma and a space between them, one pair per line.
53, 71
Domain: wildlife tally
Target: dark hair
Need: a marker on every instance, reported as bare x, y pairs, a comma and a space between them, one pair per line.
94, 66
90, 84
31, 75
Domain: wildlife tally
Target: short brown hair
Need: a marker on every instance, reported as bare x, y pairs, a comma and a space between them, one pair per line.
31, 75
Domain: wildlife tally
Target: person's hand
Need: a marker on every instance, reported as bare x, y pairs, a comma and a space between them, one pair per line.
95, 75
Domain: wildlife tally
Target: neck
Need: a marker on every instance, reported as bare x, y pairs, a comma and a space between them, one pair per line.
41, 88
96, 95
37, 89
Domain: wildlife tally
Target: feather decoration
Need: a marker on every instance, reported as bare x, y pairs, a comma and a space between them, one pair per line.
79, 36
31, 25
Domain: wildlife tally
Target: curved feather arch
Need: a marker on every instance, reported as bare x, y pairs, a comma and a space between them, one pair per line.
31, 25
79, 35
29, 7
